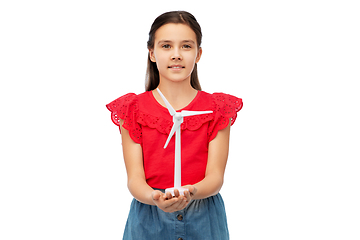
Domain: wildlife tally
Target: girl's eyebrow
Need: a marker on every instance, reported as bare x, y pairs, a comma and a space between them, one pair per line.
164, 41
169, 41
189, 41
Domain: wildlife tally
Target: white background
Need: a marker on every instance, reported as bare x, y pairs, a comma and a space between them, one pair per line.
293, 169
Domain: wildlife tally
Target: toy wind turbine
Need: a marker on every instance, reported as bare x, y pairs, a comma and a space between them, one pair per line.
178, 118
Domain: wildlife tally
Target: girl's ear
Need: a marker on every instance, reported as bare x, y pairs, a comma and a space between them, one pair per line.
198, 55
151, 55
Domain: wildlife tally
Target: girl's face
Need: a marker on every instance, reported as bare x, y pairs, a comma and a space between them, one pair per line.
175, 52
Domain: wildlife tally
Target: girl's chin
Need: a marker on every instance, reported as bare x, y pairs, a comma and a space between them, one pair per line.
175, 78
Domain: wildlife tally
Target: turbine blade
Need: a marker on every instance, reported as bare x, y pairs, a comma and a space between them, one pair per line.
169, 107
175, 127
185, 113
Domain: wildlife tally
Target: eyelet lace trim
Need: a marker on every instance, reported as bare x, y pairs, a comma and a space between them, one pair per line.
224, 107
164, 126
126, 108
227, 105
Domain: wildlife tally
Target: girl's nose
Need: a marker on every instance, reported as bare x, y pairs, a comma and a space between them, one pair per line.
176, 56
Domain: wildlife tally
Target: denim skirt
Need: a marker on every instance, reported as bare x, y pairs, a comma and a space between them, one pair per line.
201, 219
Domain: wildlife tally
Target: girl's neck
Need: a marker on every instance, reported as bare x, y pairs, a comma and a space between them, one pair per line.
179, 94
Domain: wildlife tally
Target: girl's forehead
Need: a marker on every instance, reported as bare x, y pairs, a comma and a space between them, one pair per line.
175, 32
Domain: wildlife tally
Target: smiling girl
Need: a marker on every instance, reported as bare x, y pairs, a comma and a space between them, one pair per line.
174, 51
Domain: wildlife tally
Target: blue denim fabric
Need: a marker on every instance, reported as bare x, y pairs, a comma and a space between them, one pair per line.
201, 219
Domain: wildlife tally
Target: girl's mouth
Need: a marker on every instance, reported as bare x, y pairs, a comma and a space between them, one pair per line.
176, 67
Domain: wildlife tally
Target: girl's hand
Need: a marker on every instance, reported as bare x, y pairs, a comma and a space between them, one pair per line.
167, 202
190, 194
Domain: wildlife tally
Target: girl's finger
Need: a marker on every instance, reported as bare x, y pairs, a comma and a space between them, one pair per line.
183, 204
178, 205
176, 192
170, 202
156, 195
168, 195
188, 196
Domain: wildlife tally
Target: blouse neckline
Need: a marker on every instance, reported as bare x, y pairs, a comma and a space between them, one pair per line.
187, 106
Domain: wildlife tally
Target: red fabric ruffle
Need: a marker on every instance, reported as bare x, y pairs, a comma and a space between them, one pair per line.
224, 107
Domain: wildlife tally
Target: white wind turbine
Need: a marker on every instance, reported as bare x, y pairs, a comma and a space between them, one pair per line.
178, 119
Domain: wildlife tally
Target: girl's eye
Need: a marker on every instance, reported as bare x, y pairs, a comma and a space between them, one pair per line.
186, 46
166, 46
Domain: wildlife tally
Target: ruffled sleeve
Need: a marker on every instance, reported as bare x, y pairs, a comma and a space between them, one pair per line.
126, 108
225, 109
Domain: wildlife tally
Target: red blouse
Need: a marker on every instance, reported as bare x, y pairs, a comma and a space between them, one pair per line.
149, 124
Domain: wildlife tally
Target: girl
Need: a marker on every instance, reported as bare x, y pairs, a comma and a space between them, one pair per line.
145, 123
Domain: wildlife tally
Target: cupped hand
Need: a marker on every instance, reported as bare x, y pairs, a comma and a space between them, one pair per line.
168, 203
190, 193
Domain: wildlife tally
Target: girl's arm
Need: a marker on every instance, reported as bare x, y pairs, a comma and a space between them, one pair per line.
136, 178
134, 167
215, 169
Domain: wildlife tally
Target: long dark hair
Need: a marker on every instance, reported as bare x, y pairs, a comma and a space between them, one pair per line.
152, 73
